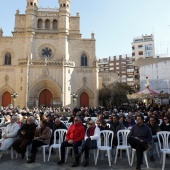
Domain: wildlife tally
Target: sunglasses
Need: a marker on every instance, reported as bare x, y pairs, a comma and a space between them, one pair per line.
75, 120
165, 119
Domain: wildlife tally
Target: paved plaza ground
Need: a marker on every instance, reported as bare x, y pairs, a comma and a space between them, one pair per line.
6, 163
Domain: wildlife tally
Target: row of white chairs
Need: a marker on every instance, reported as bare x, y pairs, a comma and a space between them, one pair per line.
122, 145
163, 141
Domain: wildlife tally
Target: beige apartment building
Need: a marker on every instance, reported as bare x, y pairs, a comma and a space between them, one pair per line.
46, 61
143, 47
122, 67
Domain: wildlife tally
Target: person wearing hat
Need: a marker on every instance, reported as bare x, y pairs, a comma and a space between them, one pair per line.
10, 134
92, 140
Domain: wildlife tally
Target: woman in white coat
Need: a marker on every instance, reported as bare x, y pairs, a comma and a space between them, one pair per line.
9, 135
92, 140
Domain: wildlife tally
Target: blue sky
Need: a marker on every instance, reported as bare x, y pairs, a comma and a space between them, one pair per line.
114, 22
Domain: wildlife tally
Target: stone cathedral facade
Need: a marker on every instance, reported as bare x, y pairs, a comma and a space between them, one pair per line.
46, 60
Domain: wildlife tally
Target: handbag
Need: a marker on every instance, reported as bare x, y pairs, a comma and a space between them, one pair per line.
91, 144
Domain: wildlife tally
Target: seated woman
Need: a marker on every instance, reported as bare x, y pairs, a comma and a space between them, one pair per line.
92, 140
42, 137
26, 134
9, 135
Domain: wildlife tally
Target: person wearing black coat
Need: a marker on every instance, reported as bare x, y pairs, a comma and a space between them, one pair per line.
26, 134
165, 126
58, 124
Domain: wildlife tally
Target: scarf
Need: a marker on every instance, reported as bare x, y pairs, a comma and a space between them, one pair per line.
90, 131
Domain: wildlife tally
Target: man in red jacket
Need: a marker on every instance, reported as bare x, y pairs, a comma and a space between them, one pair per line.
74, 137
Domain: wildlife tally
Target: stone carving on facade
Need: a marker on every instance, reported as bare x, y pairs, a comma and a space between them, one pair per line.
45, 72
84, 70
6, 78
23, 62
84, 81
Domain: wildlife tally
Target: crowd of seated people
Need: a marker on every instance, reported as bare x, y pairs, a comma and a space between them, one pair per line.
32, 126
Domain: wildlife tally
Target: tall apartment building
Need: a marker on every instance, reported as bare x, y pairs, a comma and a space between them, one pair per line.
122, 65
143, 47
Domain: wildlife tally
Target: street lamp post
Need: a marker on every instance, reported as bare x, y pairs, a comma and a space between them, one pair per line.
14, 96
74, 97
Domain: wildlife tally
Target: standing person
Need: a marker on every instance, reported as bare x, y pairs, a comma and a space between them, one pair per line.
26, 134
10, 134
139, 137
74, 137
42, 137
92, 140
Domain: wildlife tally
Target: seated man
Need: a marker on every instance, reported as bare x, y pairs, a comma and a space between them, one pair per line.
57, 125
139, 137
92, 140
26, 134
115, 127
74, 137
129, 122
10, 134
42, 137
6, 121
154, 129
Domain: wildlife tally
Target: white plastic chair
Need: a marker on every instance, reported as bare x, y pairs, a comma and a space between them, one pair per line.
85, 118
61, 133
107, 144
65, 122
68, 124
122, 143
44, 148
108, 124
94, 119
145, 156
163, 139
157, 149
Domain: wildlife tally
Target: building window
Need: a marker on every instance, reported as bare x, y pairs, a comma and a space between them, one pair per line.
55, 24
8, 58
47, 23
39, 23
140, 52
140, 46
84, 60
148, 47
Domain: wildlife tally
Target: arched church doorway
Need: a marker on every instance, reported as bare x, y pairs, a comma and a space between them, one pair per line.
84, 100
45, 98
6, 99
